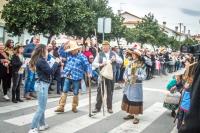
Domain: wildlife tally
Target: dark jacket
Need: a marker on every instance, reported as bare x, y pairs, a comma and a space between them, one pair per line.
28, 50
3, 69
44, 71
16, 63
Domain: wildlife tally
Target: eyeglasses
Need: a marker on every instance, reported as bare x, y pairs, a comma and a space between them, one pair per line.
11, 42
91, 58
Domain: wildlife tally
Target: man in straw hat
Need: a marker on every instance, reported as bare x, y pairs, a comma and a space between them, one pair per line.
100, 61
75, 68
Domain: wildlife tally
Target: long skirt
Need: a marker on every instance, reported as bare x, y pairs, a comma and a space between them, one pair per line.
131, 107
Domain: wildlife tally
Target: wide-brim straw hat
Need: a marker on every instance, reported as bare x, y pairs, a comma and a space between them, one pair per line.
106, 43
73, 46
18, 46
135, 51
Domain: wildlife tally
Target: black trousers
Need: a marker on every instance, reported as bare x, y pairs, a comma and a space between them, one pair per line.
109, 88
17, 79
6, 83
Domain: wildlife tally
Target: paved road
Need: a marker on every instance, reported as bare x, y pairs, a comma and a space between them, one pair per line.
16, 118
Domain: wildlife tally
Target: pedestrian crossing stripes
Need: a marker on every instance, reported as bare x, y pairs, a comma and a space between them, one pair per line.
150, 115
10, 108
26, 119
83, 122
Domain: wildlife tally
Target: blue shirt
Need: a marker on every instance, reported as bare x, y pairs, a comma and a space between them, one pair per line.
28, 50
76, 66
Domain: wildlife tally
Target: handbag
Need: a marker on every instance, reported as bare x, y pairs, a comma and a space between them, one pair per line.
172, 98
107, 71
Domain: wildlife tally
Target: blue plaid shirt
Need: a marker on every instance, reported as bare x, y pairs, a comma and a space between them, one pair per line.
76, 66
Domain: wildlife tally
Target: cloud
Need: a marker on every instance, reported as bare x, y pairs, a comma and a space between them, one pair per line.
190, 12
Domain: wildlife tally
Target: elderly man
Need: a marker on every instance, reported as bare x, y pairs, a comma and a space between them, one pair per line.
100, 61
75, 68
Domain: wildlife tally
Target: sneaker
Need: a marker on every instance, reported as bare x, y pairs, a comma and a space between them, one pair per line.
44, 127
35, 130
6, 97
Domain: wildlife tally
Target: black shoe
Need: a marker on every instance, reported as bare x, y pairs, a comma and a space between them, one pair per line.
96, 111
14, 101
110, 111
128, 117
20, 100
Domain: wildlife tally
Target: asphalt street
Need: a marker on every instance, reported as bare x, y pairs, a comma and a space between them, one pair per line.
16, 118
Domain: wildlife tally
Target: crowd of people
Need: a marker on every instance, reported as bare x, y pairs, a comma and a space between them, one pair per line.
70, 64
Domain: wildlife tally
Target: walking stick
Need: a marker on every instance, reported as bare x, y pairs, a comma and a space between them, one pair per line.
90, 107
102, 94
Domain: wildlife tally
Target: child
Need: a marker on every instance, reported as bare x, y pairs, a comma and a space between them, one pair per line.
173, 86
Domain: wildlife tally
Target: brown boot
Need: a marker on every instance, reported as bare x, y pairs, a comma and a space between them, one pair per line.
62, 103
75, 104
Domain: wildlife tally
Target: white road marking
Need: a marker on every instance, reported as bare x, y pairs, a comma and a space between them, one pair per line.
26, 119
18, 106
150, 115
82, 122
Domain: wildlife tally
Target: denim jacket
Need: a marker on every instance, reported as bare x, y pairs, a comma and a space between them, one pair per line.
44, 71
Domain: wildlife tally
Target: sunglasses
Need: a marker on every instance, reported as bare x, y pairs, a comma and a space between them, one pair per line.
91, 58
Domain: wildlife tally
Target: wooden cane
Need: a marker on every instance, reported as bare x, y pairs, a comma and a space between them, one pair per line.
102, 94
89, 87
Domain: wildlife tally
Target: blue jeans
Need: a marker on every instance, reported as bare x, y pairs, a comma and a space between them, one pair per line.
30, 81
42, 93
75, 83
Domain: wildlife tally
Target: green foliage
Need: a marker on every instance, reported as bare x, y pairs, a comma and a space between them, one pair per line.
189, 41
73, 17
36, 16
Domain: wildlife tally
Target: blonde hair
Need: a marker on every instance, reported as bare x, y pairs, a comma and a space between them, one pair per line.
39, 52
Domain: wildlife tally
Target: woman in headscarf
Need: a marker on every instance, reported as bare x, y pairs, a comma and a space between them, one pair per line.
133, 92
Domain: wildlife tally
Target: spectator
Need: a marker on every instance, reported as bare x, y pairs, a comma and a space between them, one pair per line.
5, 72
17, 72
30, 79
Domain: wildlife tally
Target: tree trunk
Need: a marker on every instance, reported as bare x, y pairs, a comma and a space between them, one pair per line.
49, 38
118, 42
153, 47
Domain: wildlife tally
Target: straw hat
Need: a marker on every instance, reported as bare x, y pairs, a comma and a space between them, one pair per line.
18, 46
134, 51
137, 52
73, 46
105, 43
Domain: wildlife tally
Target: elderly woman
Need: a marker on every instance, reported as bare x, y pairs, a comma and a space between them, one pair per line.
133, 93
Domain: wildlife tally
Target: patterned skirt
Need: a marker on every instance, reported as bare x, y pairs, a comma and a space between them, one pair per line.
131, 107
170, 106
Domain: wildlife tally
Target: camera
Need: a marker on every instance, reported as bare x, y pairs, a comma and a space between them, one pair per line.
193, 49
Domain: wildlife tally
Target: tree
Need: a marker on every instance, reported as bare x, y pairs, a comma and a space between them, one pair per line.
148, 30
36, 16
189, 41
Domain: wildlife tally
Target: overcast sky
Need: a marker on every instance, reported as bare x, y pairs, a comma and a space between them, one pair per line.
171, 11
